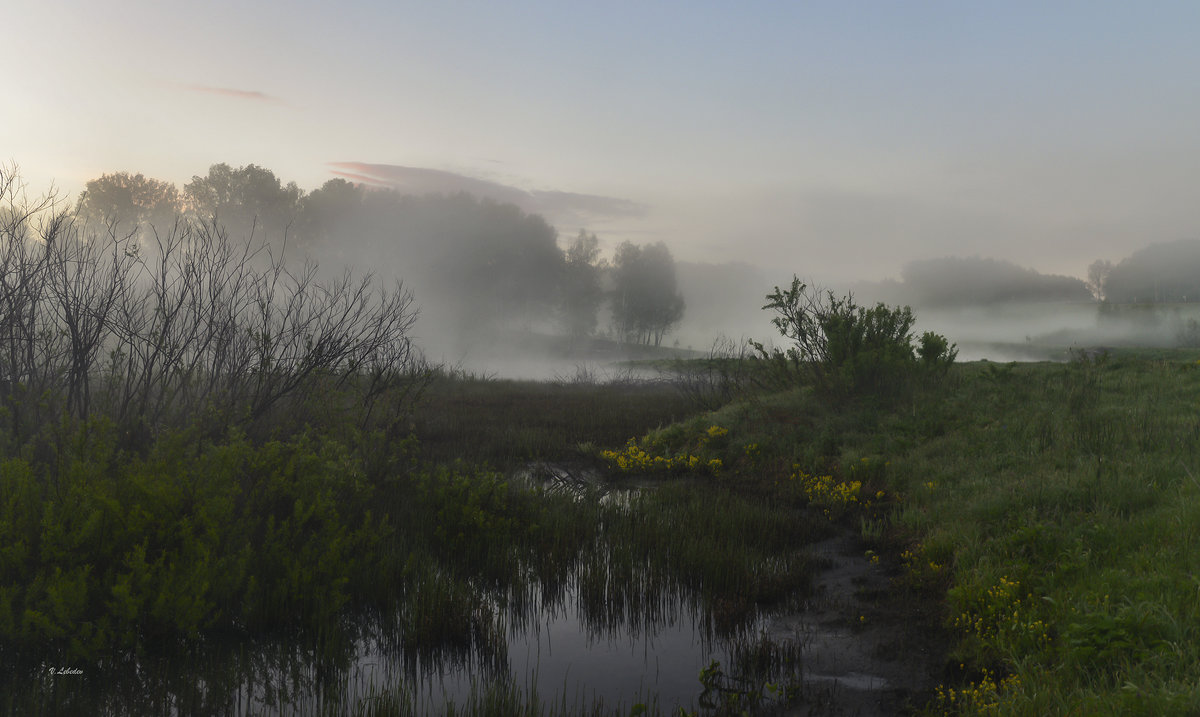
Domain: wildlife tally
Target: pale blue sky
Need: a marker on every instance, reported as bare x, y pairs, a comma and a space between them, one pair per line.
830, 139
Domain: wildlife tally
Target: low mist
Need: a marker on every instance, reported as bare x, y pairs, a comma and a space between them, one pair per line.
501, 292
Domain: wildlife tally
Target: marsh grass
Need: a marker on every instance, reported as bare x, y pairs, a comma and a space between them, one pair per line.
507, 424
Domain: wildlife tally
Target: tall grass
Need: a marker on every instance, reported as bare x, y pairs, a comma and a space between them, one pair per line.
507, 424
1061, 496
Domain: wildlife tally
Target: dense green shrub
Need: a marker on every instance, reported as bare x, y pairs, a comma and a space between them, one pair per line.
109, 549
846, 349
105, 551
936, 353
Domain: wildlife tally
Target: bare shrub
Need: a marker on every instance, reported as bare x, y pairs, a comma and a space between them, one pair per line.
725, 374
184, 324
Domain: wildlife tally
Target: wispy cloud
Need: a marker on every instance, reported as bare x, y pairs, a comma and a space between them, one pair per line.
254, 95
569, 209
421, 180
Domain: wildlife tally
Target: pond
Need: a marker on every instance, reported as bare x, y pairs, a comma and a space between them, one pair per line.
605, 634
560, 654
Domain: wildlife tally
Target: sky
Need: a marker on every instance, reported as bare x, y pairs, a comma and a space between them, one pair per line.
834, 140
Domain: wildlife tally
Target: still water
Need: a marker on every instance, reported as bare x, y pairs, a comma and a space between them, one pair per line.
645, 642
560, 656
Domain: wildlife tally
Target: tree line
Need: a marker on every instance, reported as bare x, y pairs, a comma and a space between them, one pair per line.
476, 264
1167, 272
973, 281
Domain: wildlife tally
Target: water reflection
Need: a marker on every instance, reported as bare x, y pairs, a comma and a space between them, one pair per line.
642, 646
635, 650
611, 626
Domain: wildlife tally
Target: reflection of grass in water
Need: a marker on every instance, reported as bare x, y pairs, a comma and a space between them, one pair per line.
445, 619
735, 553
668, 552
496, 697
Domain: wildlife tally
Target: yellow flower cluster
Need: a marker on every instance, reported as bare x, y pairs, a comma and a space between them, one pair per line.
977, 697
632, 459
1002, 612
832, 496
715, 432
916, 562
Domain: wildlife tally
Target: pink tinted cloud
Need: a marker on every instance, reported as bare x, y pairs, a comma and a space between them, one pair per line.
564, 207
235, 93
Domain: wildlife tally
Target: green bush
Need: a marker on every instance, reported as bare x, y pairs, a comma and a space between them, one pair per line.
937, 354
105, 549
845, 349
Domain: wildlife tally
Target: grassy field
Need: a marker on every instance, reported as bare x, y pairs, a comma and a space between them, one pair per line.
1049, 510
1058, 506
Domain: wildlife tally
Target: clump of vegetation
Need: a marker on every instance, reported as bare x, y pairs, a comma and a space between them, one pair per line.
849, 350
696, 458
834, 497
726, 374
108, 549
984, 695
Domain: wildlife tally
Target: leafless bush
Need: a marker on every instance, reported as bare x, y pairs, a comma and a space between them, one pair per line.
725, 374
592, 375
190, 323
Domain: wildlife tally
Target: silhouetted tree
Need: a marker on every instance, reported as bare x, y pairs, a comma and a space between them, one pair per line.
156, 337
129, 202
1098, 273
474, 263
246, 200
646, 301
1166, 272
582, 292
335, 208
957, 281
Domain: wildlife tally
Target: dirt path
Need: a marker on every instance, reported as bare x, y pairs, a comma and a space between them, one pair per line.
866, 651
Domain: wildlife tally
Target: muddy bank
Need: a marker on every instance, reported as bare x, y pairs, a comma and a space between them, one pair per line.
868, 648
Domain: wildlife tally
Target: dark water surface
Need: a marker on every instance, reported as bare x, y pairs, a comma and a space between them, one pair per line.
647, 643
559, 655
